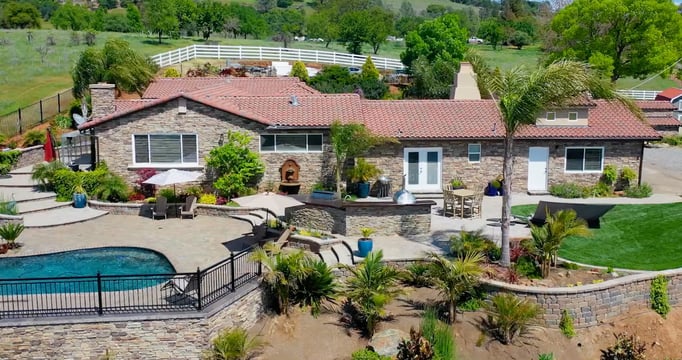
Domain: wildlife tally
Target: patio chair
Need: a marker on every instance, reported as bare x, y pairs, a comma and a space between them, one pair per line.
190, 207
160, 208
449, 203
474, 207
182, 285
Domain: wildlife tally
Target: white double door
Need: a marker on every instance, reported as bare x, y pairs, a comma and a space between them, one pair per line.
423, 169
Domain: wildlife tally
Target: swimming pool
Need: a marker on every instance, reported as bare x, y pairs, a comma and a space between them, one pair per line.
108, 261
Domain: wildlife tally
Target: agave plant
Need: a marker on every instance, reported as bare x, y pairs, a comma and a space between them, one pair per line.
10, 232
233, 344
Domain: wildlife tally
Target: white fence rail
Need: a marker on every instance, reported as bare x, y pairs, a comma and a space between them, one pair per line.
640, 94
264, 53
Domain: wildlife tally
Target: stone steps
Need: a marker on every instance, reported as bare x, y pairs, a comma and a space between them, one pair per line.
24, 170
23, 194
39, 205
60, 216
14, 180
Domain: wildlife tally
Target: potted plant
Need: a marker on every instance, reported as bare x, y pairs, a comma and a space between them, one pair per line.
365, 243
495, 186
79, 195
10, 232
457, 183
361, 173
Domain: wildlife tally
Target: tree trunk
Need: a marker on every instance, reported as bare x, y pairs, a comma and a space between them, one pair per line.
453, 312
159, 37
327, 44
507, 171
339, 162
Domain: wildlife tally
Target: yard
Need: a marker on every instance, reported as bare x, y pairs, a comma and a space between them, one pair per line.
638, 237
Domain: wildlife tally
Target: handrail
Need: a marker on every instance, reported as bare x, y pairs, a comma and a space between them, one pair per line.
239, 52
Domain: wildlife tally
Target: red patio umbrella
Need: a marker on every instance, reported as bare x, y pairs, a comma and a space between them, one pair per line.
48, 147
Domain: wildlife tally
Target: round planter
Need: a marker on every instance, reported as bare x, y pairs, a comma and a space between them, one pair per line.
363, 190
490, 190
79, 200
364, 246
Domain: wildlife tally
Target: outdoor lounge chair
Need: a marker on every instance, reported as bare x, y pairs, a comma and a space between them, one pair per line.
182, 285
190, 207
589, 212
160, 208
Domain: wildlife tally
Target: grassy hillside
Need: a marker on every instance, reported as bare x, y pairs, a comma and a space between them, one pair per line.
25, 80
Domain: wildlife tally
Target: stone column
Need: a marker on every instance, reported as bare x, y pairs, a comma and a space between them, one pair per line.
103, 96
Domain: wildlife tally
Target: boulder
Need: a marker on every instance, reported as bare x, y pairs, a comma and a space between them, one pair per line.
386, 342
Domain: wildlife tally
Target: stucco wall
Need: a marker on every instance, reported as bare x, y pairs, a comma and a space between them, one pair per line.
128, 339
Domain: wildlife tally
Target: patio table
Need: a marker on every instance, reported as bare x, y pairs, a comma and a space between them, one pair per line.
463, 194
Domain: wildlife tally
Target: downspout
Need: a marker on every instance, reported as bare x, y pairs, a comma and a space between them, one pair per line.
641, 163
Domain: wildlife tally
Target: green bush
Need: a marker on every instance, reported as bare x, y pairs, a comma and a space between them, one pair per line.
34, 137
508, 317
609, 175
625, 348
639, 191
601, 189
44, 173
234, 344
439, 334
416, 348
417, 274
194, 191
171, 73
63, 183
474, 241
566, 324
111, 188
169, 194
10, 157
208, 199
568, 191
237, 167
659, 295
674, 140
366, 354
63, 121
548, 356
571, 266
525, 266
10, 232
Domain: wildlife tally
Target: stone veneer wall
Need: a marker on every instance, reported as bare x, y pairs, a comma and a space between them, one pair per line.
115, 141
144, 209
30, 156
347, 219
389, 159
163, 338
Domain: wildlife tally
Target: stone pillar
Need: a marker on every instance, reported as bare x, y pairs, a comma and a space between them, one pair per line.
103, 96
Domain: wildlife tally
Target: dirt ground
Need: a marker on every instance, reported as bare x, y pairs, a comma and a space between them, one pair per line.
558, 276
302, 337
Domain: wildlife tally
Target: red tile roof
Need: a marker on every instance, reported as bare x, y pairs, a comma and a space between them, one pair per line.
608, 120
442, 119
669, 94
655, 105
663, 121
255, 86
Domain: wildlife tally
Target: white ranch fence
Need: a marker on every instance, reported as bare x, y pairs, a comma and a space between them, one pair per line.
265, 53
640, 94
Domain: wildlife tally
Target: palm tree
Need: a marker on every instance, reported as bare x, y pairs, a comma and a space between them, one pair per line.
371, 286
283, 272
317, 287
521, 95
548, 238
455, 277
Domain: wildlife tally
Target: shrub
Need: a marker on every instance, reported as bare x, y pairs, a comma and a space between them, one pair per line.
439, 334
169, 194
549, 356
111, 188
316, 287
417, 274
609, 175
136, 197
209, 199
44, 173
627, 176
63, 121
659, 295
171, 73
142, 176
639, 191
674, 140
571, 266
7, 160
63, 182
416, 348
525, 266
600, 190
366, 354
474, 241
299, 70
10, 232
567, 191
194, 191
236, 166
34, 137
566, 324
625, 348
233, 345
508, 316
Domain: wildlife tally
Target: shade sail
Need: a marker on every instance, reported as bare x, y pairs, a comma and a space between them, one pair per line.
589, 212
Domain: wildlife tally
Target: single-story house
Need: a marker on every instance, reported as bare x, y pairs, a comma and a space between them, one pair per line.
673, 96
178, 121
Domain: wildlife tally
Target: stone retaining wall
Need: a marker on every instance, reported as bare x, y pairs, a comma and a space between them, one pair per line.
144, 209
30, 156
163, 338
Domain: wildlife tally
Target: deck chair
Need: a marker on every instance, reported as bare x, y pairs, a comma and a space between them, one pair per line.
183, 285
190, 207
449, 203
160, 208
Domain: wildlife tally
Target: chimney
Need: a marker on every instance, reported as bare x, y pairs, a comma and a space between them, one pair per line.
464, 86
102, 96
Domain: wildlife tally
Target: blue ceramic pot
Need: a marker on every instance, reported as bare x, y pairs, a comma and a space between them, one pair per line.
79, 200
364, 246
363, 190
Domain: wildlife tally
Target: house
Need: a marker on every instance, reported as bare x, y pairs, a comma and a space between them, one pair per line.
178, 121
673, 96
660, 115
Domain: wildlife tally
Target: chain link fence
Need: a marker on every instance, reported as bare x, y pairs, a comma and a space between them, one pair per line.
25, 118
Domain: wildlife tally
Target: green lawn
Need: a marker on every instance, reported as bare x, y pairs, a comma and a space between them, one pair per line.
639, 237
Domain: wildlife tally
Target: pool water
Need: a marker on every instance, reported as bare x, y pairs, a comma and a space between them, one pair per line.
86, 262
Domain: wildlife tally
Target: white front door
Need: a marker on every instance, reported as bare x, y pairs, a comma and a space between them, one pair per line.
423, 167
538, 158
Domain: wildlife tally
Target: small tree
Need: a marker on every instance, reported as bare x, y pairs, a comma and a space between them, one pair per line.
369, 71
508, 316
455, 277
299, 70
548, 238
236, 166
283, 272
349, 141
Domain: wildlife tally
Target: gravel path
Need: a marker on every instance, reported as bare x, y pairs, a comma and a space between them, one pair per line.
663, 169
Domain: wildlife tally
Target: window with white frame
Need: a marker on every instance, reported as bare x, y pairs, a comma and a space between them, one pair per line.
572, 116
165, 149
291, 143
551, 116
589, 159
474, 153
